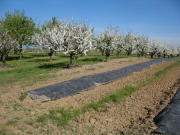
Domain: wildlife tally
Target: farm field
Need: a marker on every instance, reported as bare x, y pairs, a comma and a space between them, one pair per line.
89, 67
148, 92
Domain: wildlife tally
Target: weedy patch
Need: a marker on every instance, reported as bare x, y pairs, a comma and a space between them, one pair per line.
3, 131
29, 122
11, 122
59, 117
161, 72
17, 106
22, 96
63, 116
1, 102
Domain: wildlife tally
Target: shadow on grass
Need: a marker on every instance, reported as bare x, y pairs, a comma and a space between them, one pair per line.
91, 60
55, 65
11, 58
40, 55
40, 60
65, 64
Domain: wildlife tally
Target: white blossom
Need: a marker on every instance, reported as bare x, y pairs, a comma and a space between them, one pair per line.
108, 41
153, 48
119, 43
178, 49
142, 43
6, 44
173, 51
51, 38
78, 39
129, 43
71, 38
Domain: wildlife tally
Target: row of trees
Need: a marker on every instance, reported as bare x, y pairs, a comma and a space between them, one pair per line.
110, 41
74, 39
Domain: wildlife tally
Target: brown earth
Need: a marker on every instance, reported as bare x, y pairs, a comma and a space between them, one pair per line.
134, 115
117, 119
5, 68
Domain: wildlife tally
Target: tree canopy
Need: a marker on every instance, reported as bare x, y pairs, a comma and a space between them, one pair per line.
20, 27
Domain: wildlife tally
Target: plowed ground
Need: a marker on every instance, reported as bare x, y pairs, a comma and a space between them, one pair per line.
132, 116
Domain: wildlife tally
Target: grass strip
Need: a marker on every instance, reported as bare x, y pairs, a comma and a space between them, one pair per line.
163, 71
62, 116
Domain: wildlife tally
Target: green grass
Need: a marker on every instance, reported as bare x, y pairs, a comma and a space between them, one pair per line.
62, 116
160, 73
12, 122
22, 96
17, 106
3, 131
1, 102
35, 67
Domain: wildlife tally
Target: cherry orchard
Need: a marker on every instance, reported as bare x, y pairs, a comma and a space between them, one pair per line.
71, 38
74, 39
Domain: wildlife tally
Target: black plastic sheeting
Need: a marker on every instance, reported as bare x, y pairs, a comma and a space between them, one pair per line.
76, 85
168, 120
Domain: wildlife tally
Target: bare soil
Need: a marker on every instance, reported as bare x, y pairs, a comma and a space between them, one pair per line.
5, 68
119, 118
134, 115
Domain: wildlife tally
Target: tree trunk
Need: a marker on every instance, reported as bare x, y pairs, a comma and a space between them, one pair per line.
142, 53
3, 57
50, 54
159, 55
107, 54
164, 55
151, 56
107, 58
72, 60
128, 53
21, 52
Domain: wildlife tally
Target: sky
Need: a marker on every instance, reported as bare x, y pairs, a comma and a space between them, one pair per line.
158, 19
